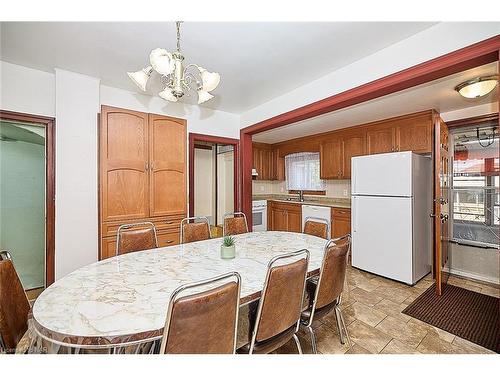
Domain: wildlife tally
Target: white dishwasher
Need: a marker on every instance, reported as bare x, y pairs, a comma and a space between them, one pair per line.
321, 212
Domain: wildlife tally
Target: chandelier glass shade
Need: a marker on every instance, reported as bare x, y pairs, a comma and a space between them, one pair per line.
176, 78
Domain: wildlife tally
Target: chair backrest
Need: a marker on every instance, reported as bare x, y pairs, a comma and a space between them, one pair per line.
333, 271
198, 230
235, 223
205, 322
280, 305
136, 237
14, 304
316, 226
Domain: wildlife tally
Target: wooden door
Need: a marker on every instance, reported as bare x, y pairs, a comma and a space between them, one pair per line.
279, 219
380, 139
167, 165
123, 164
294, 221
330, 159
415, 136
442, 184
352, 145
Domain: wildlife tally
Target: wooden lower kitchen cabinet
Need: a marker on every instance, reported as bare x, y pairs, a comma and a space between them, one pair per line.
282, 216
341, 222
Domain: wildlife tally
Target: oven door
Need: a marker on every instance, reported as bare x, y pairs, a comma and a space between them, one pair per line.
259, 219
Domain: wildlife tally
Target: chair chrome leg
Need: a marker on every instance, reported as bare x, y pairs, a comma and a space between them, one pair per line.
313, 340
338, 318
345, 329
297, 342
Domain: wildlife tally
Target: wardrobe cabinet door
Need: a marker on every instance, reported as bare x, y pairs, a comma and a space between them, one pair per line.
123, 164
167, 166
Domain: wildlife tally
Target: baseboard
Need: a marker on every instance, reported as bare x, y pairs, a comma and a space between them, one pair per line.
471, 275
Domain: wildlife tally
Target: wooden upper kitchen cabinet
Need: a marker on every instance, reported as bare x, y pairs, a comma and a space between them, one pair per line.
415, 133
330, 158
353, 144
380, 139
411, 132
336, 153
142, 174
268, 164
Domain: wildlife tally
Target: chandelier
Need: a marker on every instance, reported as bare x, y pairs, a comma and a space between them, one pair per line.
176, 78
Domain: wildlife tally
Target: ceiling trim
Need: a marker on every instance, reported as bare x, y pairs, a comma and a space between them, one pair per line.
472, 120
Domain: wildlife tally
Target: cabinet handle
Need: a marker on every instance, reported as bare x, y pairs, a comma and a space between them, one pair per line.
152, 165
146, 167
169, 222
169, 241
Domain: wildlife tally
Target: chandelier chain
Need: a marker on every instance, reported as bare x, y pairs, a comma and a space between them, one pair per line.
178, 25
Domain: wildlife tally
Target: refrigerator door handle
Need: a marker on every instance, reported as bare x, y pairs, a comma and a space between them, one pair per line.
354, 216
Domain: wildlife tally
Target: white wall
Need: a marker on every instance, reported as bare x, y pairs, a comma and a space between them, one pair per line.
74, 100
77, 105
479, 110
426, 45
199, 119
27, 90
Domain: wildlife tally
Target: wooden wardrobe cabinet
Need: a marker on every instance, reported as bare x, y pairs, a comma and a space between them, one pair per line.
142, 164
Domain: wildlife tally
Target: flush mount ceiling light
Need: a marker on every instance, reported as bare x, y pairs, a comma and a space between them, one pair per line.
176, 78
477, 87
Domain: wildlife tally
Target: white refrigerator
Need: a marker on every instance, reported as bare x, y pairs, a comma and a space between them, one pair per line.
391, 199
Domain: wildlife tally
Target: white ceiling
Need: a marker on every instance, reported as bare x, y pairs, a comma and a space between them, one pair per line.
439, 95
257, 61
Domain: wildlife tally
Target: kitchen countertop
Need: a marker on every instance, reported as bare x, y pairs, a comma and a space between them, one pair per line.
316, 200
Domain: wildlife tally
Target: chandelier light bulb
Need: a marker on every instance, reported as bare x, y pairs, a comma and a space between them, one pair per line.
210, 79
167, 95
203, 96
140, 78
161, 61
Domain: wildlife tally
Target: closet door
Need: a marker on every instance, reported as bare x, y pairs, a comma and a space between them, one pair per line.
124, 164
167, 155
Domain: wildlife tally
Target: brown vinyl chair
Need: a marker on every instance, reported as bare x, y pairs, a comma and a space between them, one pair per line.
136, 237
316, 226
198, 230
235, 223
204, 322
14, 305
326, 289
278, 313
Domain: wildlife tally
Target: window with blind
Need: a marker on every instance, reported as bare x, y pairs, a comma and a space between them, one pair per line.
476, 185
302, 172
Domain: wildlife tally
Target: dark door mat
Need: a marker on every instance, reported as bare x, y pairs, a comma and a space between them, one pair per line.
470, 315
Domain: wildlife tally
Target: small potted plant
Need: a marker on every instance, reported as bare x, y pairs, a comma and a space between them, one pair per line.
227, 250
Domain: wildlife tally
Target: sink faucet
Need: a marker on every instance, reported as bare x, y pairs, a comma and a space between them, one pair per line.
301, 195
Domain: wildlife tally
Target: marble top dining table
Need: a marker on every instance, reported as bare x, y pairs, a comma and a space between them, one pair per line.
124, 299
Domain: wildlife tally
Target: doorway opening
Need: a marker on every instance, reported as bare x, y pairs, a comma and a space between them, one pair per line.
27, 197
213, 186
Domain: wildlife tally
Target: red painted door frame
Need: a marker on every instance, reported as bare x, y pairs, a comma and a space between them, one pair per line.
193, 137
469, 57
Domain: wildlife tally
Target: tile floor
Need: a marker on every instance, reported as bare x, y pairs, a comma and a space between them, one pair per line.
372, 308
